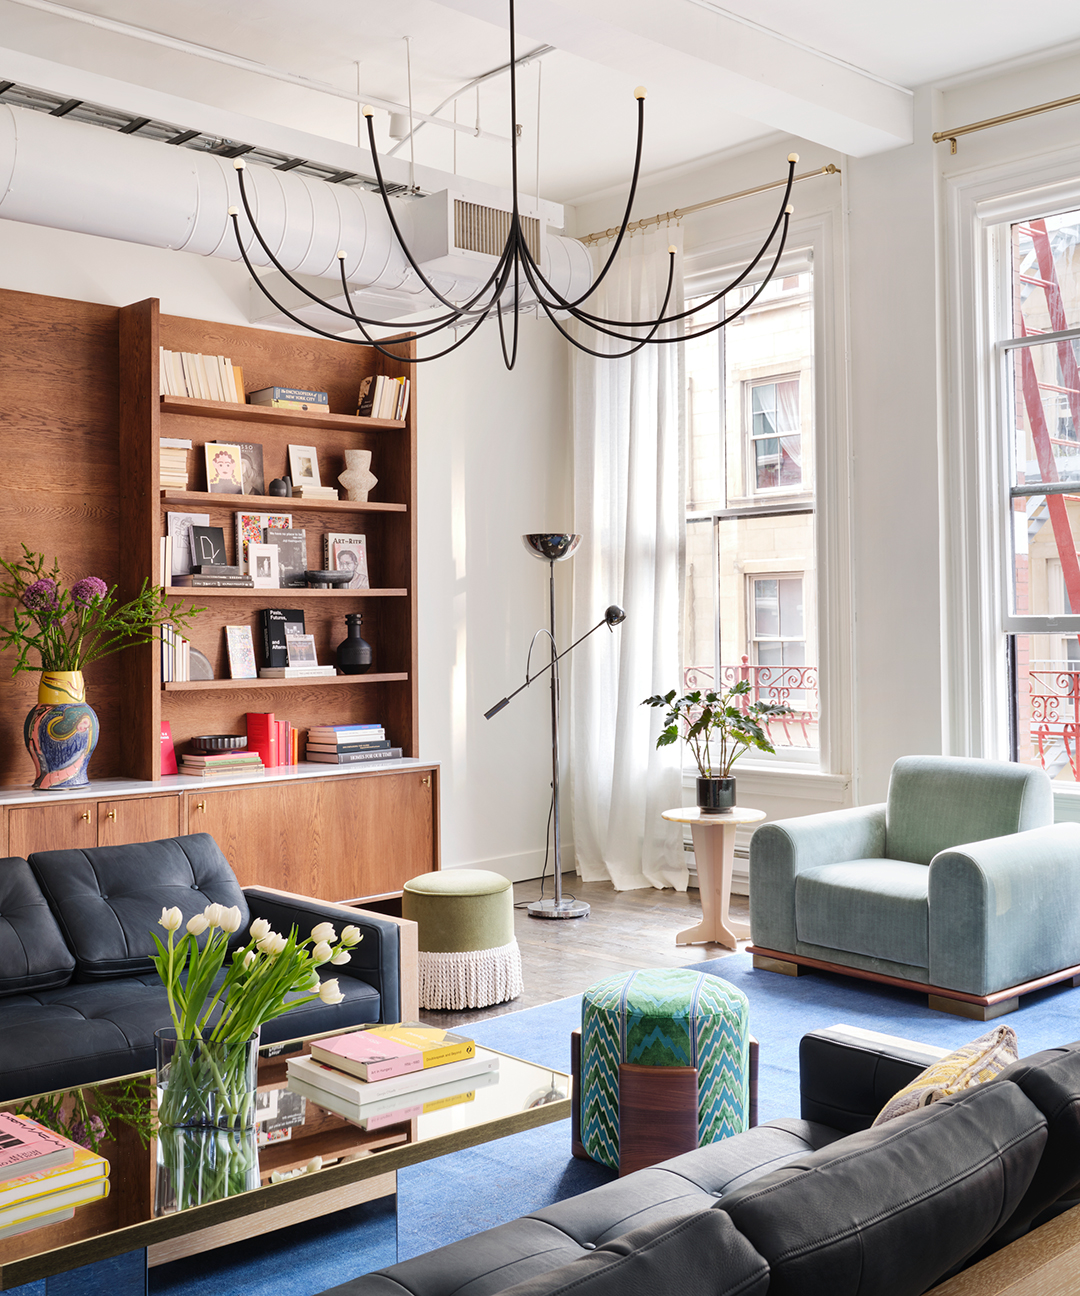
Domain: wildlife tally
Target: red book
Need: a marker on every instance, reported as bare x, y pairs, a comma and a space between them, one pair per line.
262, 736
168, 751
26, 1147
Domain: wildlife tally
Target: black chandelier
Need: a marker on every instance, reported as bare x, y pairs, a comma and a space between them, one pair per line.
517, 263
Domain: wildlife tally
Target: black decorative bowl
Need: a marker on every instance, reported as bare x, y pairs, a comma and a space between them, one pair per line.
327, 579
218, 742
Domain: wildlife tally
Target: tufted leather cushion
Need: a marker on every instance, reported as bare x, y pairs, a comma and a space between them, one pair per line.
33, 955
109, 899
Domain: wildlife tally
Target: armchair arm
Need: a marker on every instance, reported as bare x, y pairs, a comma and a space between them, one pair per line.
846, 1074
386, 958
778, 851
1004, 911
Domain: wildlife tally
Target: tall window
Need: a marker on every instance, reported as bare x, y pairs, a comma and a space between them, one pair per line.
1041, 417
750, 567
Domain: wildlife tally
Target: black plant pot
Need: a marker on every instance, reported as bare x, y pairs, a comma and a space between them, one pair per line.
715, 795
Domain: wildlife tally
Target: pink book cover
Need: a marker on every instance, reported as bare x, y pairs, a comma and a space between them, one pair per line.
394, 1117
168, 751
23, 1142
381, 1057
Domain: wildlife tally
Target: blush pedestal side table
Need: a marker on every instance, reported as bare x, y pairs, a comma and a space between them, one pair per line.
714, 851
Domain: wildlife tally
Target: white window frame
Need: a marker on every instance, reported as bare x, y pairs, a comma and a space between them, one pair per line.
753, 490
818, 238
975, 478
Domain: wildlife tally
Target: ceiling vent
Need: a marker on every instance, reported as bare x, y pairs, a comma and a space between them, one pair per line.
486, 229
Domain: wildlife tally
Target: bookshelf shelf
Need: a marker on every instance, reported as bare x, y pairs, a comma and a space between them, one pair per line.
196, 592
268, 414
307, 681
277, 503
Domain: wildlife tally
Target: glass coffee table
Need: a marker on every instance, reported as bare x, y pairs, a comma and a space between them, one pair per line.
186, 1194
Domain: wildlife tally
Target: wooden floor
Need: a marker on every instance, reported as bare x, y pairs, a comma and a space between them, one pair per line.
624, 931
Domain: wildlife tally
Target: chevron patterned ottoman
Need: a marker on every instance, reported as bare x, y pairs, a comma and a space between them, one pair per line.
664, 1018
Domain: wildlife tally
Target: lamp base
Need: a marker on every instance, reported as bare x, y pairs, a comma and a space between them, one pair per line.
558, 909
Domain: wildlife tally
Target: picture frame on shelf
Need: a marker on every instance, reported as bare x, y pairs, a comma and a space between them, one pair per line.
241, 649
224, 468
263, 565
304, 466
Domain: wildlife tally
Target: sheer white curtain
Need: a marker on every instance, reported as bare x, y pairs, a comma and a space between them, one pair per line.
629, 508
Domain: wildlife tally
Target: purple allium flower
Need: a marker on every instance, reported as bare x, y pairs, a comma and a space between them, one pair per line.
88, 590
41, 596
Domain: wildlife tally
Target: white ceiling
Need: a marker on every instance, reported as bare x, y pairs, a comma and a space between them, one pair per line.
833, 71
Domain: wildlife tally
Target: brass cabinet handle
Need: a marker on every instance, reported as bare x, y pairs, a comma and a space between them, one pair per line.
200, 805
111, 814
85, 816
426, 781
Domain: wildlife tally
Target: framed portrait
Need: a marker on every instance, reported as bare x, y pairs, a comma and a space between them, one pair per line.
263, 567
224, 468
304, 466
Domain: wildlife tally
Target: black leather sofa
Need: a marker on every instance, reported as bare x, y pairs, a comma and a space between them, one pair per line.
80, 999
820, 1206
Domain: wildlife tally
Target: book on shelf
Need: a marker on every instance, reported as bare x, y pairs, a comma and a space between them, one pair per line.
301, 649
344, 551
232, 767
262, 736
277, 624
216, 569
437, 1046
346, 728
29, 1211
383, 397
238, 756
362, 1092
367, 1056
224, 468
39, 1185
292, 555
178, 527
252, 478
205, 377
175, 655
305, 490
252, 528
207, 547
168, 750
214, 582
394, 1111
337, 734
344, 748
352, 758
241, 651
26, 1147
294, 672
317, 402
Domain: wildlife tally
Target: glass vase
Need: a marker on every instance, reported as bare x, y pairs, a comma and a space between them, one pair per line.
204, 1083
196, 1166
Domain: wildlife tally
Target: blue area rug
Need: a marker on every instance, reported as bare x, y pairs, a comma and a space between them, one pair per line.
458, 1195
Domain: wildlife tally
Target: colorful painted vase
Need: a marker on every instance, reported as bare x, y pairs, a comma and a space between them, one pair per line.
61, 732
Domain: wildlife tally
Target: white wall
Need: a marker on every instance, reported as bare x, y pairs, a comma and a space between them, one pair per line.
493, 462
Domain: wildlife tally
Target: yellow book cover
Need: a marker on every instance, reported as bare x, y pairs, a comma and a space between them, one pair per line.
436, 1045
80, 1195
85, 1167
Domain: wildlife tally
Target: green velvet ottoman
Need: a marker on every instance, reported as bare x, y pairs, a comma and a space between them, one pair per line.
677, 1045
469, 957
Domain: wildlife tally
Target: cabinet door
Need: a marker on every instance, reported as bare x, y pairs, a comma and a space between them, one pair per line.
334, 838
63, 825
137, 819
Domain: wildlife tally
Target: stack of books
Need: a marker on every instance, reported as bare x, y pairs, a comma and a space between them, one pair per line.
382, 397
314, 402
305, 490
204, 764
205, 377
175, 656
388, 1074
349, 744
276, 741
172, 467
44, 1176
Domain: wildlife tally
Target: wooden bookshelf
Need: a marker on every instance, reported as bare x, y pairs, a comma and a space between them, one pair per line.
303, 681
268, 414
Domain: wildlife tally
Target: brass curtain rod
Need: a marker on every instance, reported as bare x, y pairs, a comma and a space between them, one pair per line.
712, 202
956, 131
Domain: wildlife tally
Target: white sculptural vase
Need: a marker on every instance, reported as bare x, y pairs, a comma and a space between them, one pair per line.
358, 479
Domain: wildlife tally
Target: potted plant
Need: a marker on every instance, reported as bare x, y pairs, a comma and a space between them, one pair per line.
69, 629
718, 728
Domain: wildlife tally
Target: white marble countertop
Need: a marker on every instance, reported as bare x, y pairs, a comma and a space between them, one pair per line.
174, 784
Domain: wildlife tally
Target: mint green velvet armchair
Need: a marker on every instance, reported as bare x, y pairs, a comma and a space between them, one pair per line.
960, 885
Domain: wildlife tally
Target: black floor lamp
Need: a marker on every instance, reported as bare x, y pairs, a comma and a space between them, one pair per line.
553, 549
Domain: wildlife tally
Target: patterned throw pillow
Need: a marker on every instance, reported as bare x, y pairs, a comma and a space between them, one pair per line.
969, 1066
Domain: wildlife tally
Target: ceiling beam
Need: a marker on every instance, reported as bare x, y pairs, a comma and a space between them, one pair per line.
722, 63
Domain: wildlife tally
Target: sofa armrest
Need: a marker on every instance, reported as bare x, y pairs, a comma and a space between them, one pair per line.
846, 1074
1004, 911
778, 851
386, 958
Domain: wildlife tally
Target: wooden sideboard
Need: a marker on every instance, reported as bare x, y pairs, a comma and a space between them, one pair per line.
351, 835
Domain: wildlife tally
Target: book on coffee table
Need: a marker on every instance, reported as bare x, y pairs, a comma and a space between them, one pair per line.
401, 1107
26, 1146
364, 1092
438, 1046
367, 1055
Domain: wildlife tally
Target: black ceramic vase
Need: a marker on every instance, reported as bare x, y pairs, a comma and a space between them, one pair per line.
354, 652
715, 795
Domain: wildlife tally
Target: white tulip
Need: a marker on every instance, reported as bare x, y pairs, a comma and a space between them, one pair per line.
197, 925
323, 932
351, 936
342, 956
329, 992
270, 943
279, 943
249, 958
171, 919
212, 914
231, 919
314, 1164
313, 985
322, 952
260, 929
